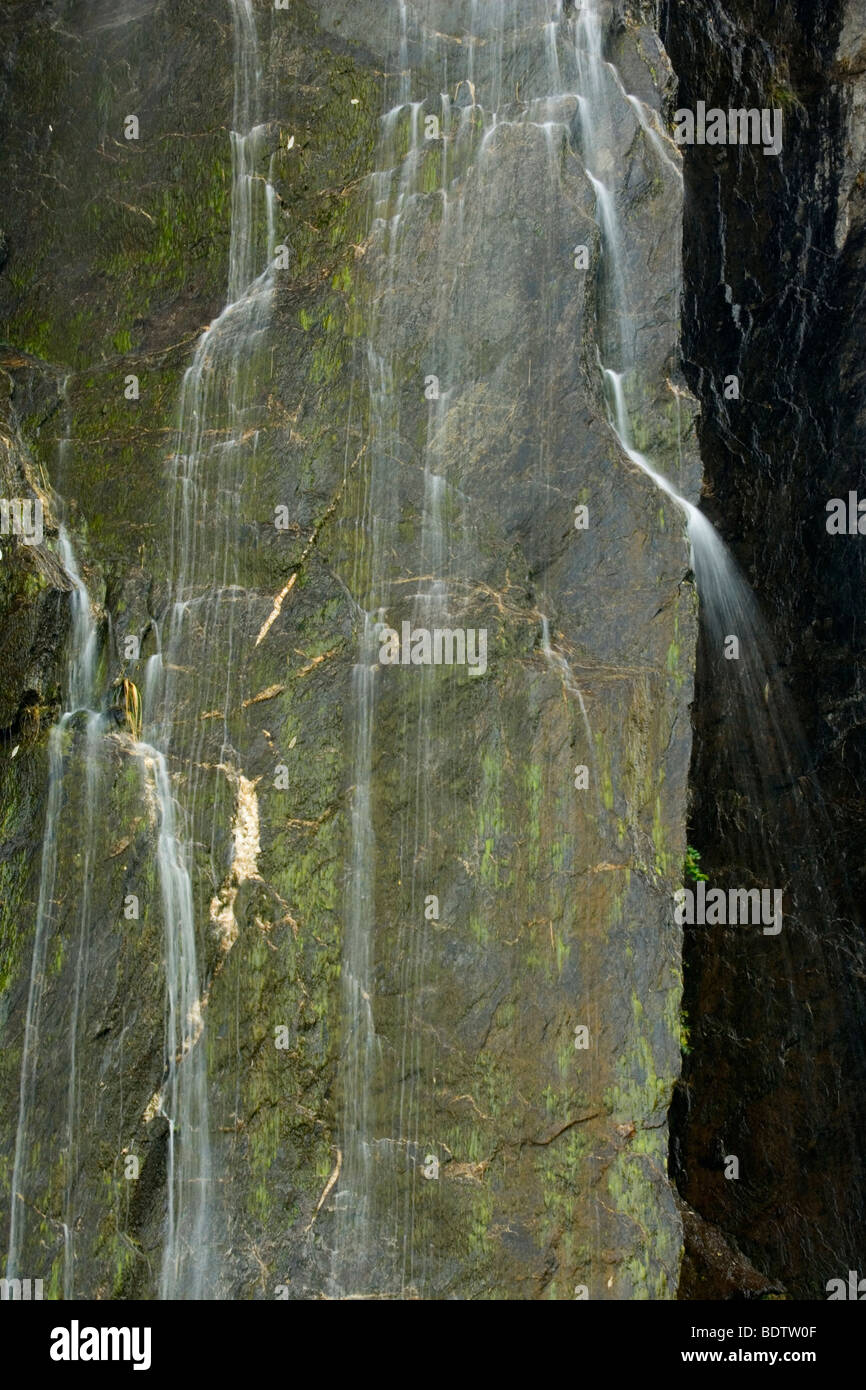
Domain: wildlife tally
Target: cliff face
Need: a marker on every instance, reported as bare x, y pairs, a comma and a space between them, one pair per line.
416, 1029
339, 978
397, 1100
773, 264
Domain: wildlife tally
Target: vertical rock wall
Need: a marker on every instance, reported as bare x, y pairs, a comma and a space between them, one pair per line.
774, 268
554, 902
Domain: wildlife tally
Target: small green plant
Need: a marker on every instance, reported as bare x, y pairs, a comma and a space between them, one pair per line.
693, 872
685, 1033
784, 96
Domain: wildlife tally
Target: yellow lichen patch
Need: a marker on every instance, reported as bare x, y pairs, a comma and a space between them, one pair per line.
316, 661
270, 694
153, 1107
246, 849
275, 611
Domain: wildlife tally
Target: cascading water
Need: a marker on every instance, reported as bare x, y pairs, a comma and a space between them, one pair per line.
522, 72
536, 68
183, 1098
524, 82
351, 1252
74, 1105
774, 811
81, 678
213, 436
729, 609
83, 650
84, 638
727, 604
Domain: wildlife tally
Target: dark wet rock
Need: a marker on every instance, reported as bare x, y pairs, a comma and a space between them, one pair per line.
714, 1269
774, 255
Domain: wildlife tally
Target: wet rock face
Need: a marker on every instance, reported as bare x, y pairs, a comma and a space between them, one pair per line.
773, 260
713, 1270
500, 1157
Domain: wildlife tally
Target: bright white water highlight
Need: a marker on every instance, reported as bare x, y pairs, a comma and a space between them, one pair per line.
75, 1103
84, 639
183, 1095
728, 608
214, 439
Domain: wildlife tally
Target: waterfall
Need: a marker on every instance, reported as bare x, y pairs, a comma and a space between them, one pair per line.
527, 71
538, 70
560, 664
766, 761
74, 1100
728, 607
212, 439
524, 82
80, 681
353, 1211
30, 1051
84, 638
183, 1098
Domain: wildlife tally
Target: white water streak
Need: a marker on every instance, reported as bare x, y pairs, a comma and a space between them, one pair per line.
214, 439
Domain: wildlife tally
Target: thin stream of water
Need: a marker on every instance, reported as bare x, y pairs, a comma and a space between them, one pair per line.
81, 678
573, 94
212, 436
